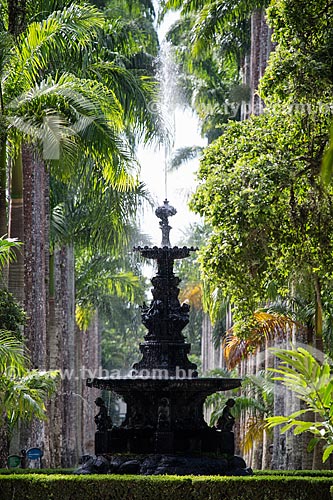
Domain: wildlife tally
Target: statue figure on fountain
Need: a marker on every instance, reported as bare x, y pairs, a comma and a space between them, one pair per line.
163, 418
226, 421
102, 420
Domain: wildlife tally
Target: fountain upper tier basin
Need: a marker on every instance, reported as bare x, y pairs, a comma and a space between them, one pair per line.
165, 252
195, 385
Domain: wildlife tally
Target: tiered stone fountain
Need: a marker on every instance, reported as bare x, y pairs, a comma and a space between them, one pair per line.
164, 430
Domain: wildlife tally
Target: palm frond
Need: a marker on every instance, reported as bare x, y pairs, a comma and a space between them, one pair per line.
89, 122
192, 292
254, 432
72, 28
58, 224
12, 358
267, 326
183, 155
7, 247
24, 397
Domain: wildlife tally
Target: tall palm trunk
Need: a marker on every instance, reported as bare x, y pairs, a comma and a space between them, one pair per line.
55, 355
3, 187
28, 275
318, 316
267, 443
91, 358
255, 59
296, 442
3, 197
279, 440
261, 47
4, 440
206, 344
16, 224
17, 14
36, 243
65, 341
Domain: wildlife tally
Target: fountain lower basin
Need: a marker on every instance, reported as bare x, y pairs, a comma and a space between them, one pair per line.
164, 416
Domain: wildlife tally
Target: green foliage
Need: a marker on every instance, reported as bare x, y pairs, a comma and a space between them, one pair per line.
12, 316
271, 217
299, 69
311, 381
89, 107
121, 333
223, 22
59, 470
111, 487
24, 396
7, 247
22, 391
261, 187
99, 281
11, 355
300, 473
183, 155
94, 487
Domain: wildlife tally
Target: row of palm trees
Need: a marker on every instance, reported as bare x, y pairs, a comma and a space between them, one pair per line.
75, 86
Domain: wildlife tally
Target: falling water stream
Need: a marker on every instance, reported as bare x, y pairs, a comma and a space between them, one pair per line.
181, 128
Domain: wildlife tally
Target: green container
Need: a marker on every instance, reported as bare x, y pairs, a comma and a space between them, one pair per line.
13, 461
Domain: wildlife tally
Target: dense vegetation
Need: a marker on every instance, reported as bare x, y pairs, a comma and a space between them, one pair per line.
77, 94
76, 81
263, 192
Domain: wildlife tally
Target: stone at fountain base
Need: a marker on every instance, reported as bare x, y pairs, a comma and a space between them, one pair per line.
169, 464
227, 442
164, 441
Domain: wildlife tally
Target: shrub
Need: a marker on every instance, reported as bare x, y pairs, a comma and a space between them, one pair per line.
298, 473
113, 487
35, 471
261, 488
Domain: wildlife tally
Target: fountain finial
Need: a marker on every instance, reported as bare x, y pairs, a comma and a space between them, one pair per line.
163, 213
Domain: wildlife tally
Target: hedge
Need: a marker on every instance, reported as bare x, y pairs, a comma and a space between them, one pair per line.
113, 487
301, 473
35, 471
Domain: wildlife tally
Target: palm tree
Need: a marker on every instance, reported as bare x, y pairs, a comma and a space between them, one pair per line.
311, 381
59, 101
219, 21
22, 392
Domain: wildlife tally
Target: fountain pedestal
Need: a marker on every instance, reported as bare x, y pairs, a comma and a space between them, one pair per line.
164, 395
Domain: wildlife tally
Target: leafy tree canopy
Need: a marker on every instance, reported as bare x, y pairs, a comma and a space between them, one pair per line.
270, 214
261, 189
300, 68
